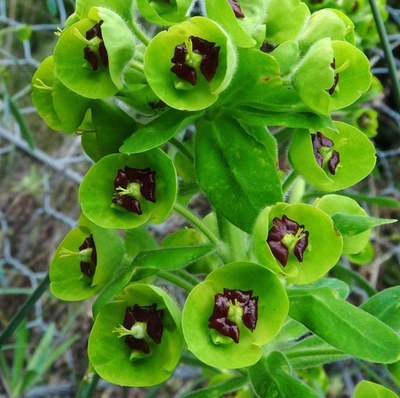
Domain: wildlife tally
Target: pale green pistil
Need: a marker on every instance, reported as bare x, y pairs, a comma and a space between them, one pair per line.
138, 330
235, 312
133, 190
290, 240
84, 255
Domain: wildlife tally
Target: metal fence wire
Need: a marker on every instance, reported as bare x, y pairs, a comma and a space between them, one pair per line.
38, 190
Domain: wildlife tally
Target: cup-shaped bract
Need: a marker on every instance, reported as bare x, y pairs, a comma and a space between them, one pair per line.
333, 204
124, 191
324, 23
313, 76
352, 75
284, 20
332, 160
163, 12
241, 18
61, 108
190, 64
249, 303
297, 241
91, 55
85, 261
136, 340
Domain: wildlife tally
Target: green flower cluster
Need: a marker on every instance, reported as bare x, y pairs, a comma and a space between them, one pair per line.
220, 79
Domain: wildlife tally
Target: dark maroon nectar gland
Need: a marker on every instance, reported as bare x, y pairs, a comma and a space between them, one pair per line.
88, 268
130, 185
287, 235
203, 55
323, 152
335, 78
232, 309
89, 52
267, 47
141, 325
236, 8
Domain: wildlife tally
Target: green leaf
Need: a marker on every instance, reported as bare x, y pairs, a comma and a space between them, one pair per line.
21, 346
26, 131
381, 201
311, 352
344, 326
372, 390
271, 377
236, 168
52, 7
218, 390
121, 278
385, 306
353, 224
158, 131
171, 258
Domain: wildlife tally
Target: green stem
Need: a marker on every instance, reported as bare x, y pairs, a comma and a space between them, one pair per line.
88, 385
289, 181
387, 50
24, 309
139, 33
187, 276
179, 145
137, 65
175, 279
183, 211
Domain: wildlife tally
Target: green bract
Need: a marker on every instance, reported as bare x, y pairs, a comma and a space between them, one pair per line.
314, 76
61, 108
353, 74
163, 12
217, 350
326, 24
177, 92
356, 157
312, 248
244, 23
94, 79
115, 361
68, 281
97, 190
333, 204
280, 27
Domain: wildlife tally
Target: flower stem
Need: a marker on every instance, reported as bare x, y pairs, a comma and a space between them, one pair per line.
139, 33
187, 276
24, 309
88, 385
289, 181
387, 50
179, 145
175, 279
183, 211
137, 65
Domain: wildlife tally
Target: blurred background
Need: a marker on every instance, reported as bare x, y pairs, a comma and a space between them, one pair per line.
40, 171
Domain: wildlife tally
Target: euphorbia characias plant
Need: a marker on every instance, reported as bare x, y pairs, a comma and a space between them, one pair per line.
198, 107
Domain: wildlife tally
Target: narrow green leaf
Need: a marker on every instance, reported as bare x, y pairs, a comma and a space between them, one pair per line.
271, 377
381, 201
21, 344
354, 224
311, 352
122, 276
218, 390
344, 326
52, 7
385, 306
26, 131
158, 131
300, 119
171, 258
236, 168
